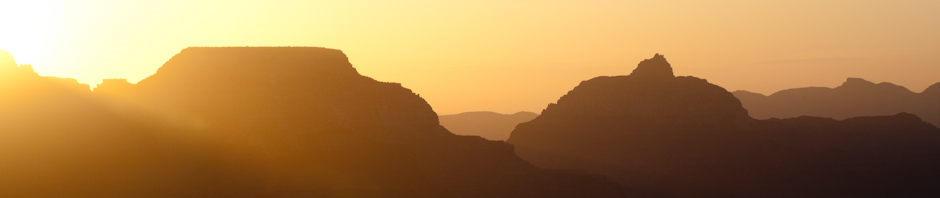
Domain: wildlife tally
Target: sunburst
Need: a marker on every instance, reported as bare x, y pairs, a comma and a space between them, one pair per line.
28, 28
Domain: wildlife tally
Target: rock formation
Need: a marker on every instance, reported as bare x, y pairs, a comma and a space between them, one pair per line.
654, 68
489, 125
260, 122
856, 97
667, 136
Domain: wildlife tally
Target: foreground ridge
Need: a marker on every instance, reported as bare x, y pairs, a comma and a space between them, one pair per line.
253, 122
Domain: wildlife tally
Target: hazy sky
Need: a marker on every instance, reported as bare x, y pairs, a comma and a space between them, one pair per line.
502, 56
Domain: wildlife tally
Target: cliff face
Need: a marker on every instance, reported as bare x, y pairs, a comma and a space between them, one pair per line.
666, 136
489, 125
301, 122
855, 97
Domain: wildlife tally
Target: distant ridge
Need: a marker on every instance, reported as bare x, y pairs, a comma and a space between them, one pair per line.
666, 136
489, 125
855, 97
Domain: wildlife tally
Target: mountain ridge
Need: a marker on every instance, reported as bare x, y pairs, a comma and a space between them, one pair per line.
855, 97
685, 137
263, 122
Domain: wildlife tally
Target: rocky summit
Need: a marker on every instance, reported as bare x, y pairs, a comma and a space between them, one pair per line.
665, 136
656, 67
257, 122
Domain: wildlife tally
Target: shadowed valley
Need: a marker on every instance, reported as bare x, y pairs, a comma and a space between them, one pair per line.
489, 125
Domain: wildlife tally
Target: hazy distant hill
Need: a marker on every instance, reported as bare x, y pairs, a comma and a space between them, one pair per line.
489, 125
251, 122
666, 136
855, 97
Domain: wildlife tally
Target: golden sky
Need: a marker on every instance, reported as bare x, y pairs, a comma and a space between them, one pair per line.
498, 55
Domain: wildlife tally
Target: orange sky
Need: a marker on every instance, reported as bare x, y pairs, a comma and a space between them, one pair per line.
502, 56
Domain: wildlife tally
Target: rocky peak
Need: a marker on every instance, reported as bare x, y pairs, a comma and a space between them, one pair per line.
652, 89
649, 101
656, 135
656, 67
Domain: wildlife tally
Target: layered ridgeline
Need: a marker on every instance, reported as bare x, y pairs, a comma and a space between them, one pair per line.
665, 136
856, 97
489, 125
252, 122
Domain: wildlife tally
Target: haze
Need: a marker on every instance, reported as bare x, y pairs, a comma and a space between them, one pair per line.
502, 56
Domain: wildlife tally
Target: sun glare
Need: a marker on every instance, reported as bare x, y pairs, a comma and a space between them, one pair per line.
29, 29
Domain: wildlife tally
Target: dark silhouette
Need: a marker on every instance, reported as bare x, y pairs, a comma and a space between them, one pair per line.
489, 125
666, 136
856, 97
251, 122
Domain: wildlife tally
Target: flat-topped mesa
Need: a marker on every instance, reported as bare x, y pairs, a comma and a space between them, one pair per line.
310, 102
292, 122
851, 82
653, 68
281, 80
252, 63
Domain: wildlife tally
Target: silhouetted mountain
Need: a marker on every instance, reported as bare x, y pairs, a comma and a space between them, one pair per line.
489, 125
855, 97
256, 122
667, 136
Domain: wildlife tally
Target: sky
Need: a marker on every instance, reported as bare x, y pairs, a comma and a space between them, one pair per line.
498, 55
